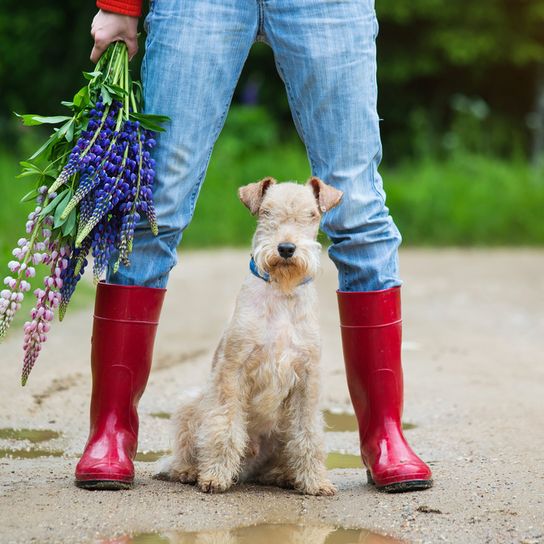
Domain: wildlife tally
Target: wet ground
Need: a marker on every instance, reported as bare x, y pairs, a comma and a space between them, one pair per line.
474, 375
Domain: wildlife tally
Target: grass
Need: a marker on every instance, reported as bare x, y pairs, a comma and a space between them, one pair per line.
462, 201
220, 218
467, 201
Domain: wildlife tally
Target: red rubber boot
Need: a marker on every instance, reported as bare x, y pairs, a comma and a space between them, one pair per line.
371, 336
125, 322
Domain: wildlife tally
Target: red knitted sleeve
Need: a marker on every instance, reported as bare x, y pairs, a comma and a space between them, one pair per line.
125, 7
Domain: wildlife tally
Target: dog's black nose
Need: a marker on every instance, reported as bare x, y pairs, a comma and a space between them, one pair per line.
286, 249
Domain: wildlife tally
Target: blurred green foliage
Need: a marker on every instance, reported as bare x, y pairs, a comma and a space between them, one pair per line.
430, 52
460, 83
466, 199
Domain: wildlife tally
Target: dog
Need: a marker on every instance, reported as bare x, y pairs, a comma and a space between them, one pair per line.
258, 419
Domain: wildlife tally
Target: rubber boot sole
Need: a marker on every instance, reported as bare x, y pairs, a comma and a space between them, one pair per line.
104, 485
400, 487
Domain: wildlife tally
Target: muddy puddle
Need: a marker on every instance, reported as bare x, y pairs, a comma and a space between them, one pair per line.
260, 534
32, 435
337, 421
334, 459
150, 456
342, 460
29, 453
161, 415
35, 437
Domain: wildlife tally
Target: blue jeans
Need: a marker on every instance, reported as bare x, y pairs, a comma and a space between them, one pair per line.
325, 53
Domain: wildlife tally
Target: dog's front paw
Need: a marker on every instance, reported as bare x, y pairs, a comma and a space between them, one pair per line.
163, 469
324, 488
210, 485
172, 470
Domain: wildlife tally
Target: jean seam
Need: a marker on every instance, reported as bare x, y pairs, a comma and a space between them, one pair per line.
260, 26
200, 180
297, 114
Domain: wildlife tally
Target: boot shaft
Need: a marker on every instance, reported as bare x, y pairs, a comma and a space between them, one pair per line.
124, 328
371, 328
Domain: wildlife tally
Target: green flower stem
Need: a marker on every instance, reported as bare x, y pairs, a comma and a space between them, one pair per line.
127, 84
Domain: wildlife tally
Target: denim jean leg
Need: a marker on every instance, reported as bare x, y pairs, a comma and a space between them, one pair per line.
195, 52
326, 54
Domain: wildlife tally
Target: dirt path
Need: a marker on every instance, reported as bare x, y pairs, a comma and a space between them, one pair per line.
474, 365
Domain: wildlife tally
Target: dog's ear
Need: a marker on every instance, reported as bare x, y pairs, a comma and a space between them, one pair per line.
252, 195
327, 197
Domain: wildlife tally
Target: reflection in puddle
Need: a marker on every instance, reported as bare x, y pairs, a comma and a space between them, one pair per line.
32, 435
161, 415
334, 459
342, 460
150, 456
29, 453
337, 421
260, 534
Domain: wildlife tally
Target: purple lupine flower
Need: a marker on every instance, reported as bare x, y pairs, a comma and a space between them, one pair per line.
115, 194
105, 240
72, 273
92, 143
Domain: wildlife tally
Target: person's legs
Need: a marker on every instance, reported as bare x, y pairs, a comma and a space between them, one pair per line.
325, 53
194, 54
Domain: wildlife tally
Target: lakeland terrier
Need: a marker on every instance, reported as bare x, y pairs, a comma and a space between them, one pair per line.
258, 418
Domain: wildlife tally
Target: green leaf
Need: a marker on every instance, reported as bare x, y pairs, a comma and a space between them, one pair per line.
106, 97
27, 164
31, 195
49, 142
81, 98
70, 132
92, 75
69, 227
51, 206
115, 89
63, 130
148, 121
60, 208
26, 173
29, 169
152, 117
31, 119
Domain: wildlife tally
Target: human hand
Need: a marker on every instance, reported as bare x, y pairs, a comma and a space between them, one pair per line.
108, 27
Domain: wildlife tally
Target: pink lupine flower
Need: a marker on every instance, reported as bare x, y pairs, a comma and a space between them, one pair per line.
47, 300
29, 251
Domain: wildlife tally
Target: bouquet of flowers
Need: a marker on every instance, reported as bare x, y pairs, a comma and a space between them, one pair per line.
94, 181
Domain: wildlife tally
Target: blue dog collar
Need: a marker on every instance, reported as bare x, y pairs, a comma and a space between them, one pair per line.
266, 276
255, 270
